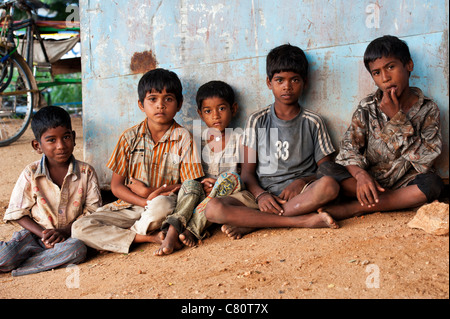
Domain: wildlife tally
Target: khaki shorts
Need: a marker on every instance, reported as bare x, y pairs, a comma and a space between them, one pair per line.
247, 198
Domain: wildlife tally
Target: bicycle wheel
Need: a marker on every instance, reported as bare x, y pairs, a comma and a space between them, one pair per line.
18, 97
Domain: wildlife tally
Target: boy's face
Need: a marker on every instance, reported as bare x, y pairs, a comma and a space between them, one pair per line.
160, 107
389, 74
217, 113
287, 87
57, 144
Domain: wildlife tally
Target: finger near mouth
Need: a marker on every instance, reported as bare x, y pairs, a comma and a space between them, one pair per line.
392, 89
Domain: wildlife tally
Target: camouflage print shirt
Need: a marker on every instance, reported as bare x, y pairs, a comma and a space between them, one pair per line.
393, 150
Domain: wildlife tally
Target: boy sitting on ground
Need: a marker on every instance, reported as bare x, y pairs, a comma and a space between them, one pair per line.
48, 197
155, 155
283, 146
221, 157
392, 141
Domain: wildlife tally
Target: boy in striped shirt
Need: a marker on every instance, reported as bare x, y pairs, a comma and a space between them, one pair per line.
150, 159
283, 146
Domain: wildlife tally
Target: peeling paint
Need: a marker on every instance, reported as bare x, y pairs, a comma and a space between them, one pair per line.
203, 40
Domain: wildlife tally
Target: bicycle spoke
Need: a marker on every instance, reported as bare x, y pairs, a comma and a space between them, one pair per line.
16, 100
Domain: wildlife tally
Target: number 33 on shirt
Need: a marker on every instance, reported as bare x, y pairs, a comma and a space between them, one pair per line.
282, 150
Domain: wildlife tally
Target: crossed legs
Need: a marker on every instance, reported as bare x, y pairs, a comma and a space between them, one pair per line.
389, 200
239, 219
425, 187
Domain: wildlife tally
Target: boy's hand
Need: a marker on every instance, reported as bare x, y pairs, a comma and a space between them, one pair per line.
138, 187
50, 237
293, 189
164, 190
208, 184
389, 103
367, 189
270, 203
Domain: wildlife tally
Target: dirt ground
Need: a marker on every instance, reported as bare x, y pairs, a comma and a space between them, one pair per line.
370, 257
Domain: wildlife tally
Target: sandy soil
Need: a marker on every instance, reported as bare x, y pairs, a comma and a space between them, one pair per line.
374, 256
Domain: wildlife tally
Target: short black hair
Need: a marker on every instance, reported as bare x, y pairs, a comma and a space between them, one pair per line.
386, 46
49, 117
158, 80
287, 58
218, 89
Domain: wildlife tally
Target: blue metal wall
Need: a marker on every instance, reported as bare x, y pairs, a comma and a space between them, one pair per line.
203, 40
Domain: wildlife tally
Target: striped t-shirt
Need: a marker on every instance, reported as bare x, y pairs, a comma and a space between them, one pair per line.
286, 150
171, 160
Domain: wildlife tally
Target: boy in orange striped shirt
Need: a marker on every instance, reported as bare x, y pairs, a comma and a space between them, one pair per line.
150, 159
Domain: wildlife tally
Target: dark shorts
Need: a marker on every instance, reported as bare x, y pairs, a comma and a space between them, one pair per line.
428, 183
337, 171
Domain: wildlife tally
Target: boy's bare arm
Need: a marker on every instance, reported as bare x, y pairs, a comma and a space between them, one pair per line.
48, 236
29, 224
267, 202
164, 191
121, 191
296, 187
367, 187
248, 172
139, 188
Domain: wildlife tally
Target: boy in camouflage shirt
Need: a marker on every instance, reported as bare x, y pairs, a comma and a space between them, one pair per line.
386, 156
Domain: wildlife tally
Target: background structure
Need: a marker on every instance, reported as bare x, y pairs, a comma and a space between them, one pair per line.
229, 40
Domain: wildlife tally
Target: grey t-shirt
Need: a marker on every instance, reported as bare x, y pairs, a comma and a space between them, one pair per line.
227, 160
287, 150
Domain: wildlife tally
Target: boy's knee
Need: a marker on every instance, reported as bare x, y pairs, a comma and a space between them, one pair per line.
430, 184
15, 251
161, 206
329, 188
6, 265
7, 262
79, 250
191, 187
75, 250
79, 226
213, 210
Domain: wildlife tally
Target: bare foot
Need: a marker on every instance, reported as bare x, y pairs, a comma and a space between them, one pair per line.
328, 220
188, 238
156, 237
342, 211
236, 232
170, 243
314, 220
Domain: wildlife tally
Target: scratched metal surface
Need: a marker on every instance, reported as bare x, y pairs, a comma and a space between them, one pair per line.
229, 40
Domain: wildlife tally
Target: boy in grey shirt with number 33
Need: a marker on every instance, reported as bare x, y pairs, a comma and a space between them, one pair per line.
284, 144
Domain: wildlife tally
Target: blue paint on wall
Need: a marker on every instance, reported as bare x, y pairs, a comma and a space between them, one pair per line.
229, 40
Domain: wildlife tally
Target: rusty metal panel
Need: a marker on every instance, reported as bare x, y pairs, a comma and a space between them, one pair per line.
206, 40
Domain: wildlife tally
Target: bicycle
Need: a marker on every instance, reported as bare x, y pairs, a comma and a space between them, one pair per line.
20, 92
